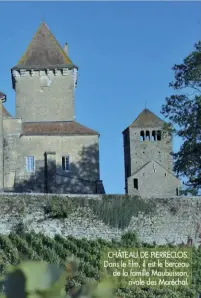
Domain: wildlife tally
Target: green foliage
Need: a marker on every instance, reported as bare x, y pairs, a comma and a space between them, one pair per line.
115, 211
40, 279
59, 208
19, 228
130, 240
43, 280
184, 111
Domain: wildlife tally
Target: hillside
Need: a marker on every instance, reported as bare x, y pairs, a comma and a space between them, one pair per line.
19, 245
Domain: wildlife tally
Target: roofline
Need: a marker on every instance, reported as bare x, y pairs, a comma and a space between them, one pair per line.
60, 134
50, 121
125, 129
155, 162
71, 66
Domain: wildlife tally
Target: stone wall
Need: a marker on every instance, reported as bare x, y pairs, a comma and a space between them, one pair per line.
83, 152
167, 220
145, 151
44, 97
154, 181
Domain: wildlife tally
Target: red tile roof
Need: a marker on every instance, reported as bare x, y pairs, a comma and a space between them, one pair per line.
56, 128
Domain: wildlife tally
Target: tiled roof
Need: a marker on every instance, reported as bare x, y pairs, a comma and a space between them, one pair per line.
56, 128
147, 118
44, 52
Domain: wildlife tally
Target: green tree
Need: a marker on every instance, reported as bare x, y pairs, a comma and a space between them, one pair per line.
183, 109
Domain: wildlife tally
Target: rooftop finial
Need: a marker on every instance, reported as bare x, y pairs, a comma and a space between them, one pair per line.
43, 18
66, 48
145, 104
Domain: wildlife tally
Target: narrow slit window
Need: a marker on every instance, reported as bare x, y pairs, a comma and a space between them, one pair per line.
177, 191
158, 135
135, 183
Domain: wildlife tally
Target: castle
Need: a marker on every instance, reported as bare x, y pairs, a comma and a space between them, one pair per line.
43, 149
147, 158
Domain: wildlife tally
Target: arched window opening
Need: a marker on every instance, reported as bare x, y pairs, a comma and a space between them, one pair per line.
153, 136
147, 135
142, 137
158, 135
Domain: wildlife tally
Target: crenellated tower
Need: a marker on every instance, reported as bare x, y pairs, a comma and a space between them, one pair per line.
44, 80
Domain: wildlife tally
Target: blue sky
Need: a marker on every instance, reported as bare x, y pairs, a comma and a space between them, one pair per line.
125, 52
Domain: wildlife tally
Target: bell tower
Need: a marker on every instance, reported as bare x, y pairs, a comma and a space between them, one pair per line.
144, 142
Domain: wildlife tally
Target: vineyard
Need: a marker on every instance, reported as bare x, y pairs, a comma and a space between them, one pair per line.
20, 245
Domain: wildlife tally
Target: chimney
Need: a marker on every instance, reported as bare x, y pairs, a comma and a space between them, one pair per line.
66, 48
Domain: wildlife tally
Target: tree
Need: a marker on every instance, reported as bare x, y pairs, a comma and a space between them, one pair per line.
184, 112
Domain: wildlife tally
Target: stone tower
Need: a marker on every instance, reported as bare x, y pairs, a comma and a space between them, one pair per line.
45, 149
44, 80
147, 158
2, 100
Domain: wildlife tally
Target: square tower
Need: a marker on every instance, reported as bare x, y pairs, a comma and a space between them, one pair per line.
44, 148
44, 80
145, 142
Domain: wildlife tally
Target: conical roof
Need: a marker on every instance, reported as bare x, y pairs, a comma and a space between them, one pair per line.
44, 51
148, 119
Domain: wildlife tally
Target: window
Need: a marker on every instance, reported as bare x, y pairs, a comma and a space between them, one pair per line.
153, 136
135, 183
30, 164
147, 135
142, 137
158, 135
65, 163
177, 191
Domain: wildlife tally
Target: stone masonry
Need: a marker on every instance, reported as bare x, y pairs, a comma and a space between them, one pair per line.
174, 220
147, 158
43, 148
